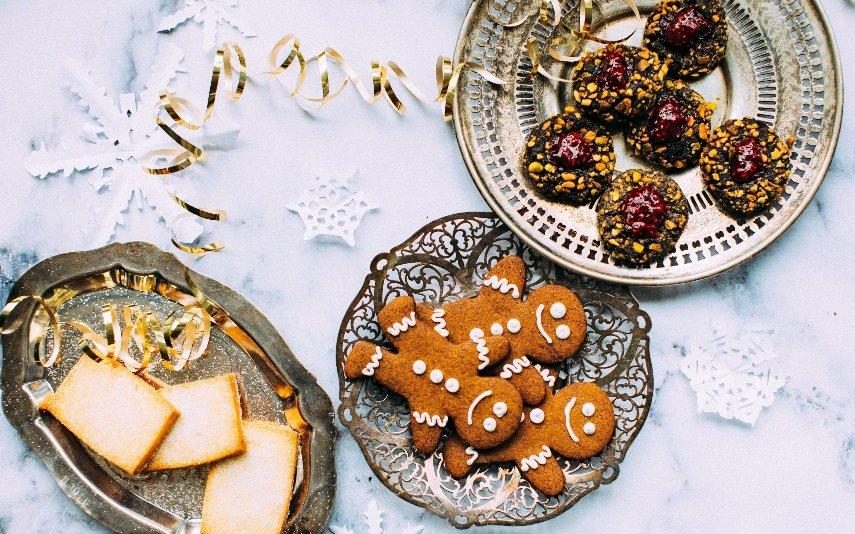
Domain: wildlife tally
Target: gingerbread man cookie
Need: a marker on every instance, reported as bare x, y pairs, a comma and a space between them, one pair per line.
547, 326
576, 422
439, 378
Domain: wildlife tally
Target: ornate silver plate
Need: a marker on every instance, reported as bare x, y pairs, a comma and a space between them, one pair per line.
274, 385
446, 260
781, 66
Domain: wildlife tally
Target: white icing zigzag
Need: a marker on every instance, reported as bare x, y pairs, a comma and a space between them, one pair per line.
374, 363
473, 455
437, 317
536, 460
483, 351
515, 367
431, 420
502, 285
403, 326
548, 378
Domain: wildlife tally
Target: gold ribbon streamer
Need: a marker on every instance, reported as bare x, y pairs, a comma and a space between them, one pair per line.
10, 322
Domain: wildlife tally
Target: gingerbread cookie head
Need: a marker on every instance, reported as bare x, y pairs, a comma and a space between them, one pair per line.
580, 418
439, 378
552, 324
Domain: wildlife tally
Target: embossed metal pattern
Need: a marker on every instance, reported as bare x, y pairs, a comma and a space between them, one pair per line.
447, 260
274, 385
781, 66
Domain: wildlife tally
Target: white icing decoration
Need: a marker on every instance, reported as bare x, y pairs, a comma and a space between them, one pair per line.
436, 376
558, 310
437, 317
496, 329
374, 363
536, 460
419, 367
514, 368
476, 333
562, 331
567, 409
405, 324
489, 424
503, 286
452, 385
514, 326
536, 416
477, 336
539, 314
500, 409
588, 409
475, 402
431, 420
473, 455
547, 377
589, 428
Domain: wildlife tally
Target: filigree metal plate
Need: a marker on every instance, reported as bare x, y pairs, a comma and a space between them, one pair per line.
781, 66
446, 260
274, 385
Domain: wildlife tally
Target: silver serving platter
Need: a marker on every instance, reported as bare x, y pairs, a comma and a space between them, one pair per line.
274, 387
781, 66
447, 260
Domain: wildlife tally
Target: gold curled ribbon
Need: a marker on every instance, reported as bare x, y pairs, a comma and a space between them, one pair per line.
10, 322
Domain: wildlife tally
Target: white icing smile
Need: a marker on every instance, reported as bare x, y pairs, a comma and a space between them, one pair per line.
567, 409
474, 404
539, 314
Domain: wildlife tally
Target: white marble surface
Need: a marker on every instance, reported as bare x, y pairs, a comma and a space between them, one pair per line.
793, 472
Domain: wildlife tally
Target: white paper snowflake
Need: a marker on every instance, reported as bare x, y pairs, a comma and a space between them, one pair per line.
331, 208
733, 376
373, 517
210, 14
121, 131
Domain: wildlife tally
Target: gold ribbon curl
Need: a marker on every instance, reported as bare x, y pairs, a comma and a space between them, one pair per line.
10, 322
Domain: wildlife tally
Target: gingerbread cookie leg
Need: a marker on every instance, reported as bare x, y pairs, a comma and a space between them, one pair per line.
426, 426
456, 458
543, 471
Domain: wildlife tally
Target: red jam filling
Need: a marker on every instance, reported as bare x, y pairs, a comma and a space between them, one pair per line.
687, 26
615, 73
643, 211
571, 151
747, 159
668, 120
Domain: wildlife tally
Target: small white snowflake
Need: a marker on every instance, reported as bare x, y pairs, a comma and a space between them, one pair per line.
120, 133
732, 376
330, 207
209, 13
373, 518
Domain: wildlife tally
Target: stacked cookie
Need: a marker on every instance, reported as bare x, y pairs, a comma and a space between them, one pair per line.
478, 369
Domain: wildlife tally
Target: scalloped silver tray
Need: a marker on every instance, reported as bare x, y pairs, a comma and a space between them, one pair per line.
446, 260
781, 66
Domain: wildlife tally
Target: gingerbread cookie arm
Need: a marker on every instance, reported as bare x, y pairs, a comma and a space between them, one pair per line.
369, 360
529, 383
504, 284
543, 471
426, 425
458, 461
483, 352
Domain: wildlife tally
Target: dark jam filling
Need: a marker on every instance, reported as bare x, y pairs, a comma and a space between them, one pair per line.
747, 159
571, 151
614, 75
687, 26
668, 120
643, 211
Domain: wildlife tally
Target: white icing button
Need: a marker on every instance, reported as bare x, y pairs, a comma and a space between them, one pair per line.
436, 376
489, 424
536, 416
476, 333
419, 367
588, 409
500, 409
496, 329
589, 428
562, 331
558, 310
452, 385
514, 326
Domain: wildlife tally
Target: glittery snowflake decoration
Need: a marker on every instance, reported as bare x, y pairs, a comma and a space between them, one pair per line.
732, 376
120, 132
331, 208
210, 14
373, 518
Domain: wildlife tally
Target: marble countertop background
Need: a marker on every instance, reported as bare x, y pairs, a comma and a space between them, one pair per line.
793, 472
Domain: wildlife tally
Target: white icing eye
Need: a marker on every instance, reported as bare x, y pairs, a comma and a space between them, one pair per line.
436, 376
588, 409
419, 367
496, 329
452, 385
562, 331
500, 409
536, 416
589, 428
514, 326
476, 333
489, 424
558, 310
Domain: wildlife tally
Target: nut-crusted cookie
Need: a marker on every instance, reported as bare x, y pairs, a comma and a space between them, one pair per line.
691, 34
745, 165
641, 216
569, 157
617, 82
676, 130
